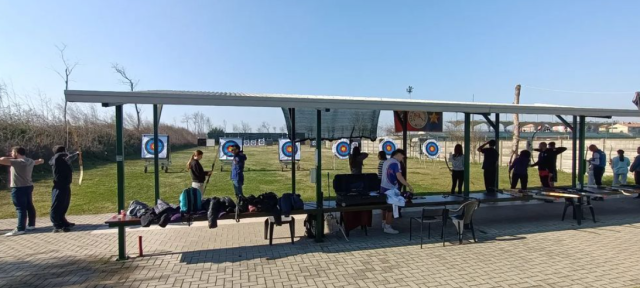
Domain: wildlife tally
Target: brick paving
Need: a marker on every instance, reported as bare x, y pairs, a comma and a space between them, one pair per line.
519, 246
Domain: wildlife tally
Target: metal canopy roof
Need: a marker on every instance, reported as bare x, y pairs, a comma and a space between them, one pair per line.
168, 97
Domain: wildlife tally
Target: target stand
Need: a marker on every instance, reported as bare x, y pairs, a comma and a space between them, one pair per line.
148, 150
287, 165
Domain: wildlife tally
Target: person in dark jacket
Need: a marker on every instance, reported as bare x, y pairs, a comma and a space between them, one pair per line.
198, 175
237, 170
553, 157
489, 165
635, 169
543, 163
520, 167
61, 191
356, 160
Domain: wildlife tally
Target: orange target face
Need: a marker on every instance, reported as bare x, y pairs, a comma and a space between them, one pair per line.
343, 149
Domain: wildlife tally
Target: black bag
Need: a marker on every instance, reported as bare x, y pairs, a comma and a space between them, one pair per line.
310, 226
230, 206
356, 184
355, 189
243, 204
137, 208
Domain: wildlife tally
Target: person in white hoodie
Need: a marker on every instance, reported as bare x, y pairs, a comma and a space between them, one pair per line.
620, 166
391, 180
457, 171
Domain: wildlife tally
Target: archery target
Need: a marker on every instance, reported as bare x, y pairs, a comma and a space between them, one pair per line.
388, 146
342, 149
287, 150
431, 148
225, 147
148, 146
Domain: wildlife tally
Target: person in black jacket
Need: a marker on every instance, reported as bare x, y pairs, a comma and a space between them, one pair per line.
61, 191
198, 175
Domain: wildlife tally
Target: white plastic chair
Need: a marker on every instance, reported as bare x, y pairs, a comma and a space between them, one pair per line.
463, 217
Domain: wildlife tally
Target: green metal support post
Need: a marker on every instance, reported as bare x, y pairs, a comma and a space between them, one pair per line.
467, 152
581, 160
319, 194
122, 248
405, 137
496, 132
155, 152
574, 139
292, 115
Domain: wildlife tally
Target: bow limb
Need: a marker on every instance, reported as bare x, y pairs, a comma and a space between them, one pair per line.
75, 137
447, 162
513, 153
213, 165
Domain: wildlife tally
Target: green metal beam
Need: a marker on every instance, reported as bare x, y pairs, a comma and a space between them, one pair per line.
565, 122
319, 194
491, 123
467, 152
574, 151
292, 137
156, 169
581, 156
496, 131
122, 248
404, 146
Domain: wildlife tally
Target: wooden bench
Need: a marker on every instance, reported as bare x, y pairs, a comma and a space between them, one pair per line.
310, 208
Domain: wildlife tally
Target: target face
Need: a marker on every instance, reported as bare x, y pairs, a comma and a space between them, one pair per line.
388, 146
149, 149
227, 147
150, 146
342, 149
431, 148
288, 150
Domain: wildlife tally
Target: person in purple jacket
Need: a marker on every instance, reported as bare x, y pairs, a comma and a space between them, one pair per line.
520, 167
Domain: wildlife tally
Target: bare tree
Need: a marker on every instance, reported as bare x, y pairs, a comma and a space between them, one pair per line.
131, 83
68, 69
186, 119
245, 127
283, 129
265, 126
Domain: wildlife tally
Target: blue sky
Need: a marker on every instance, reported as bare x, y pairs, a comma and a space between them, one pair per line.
447, 50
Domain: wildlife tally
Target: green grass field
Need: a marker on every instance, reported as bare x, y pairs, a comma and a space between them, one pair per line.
98, 193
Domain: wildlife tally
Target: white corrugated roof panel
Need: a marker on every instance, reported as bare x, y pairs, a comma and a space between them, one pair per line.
197, 98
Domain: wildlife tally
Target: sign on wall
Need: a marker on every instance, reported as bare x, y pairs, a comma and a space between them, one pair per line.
419, 121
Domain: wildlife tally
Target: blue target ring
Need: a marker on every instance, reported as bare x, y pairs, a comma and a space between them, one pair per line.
343, 149
388, 147
289, 150
431, 148
226, 148
150, 148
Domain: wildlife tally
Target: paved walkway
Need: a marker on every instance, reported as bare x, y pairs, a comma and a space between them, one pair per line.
519, 246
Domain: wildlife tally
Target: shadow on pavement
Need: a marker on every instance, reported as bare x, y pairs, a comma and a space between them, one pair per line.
493, 224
